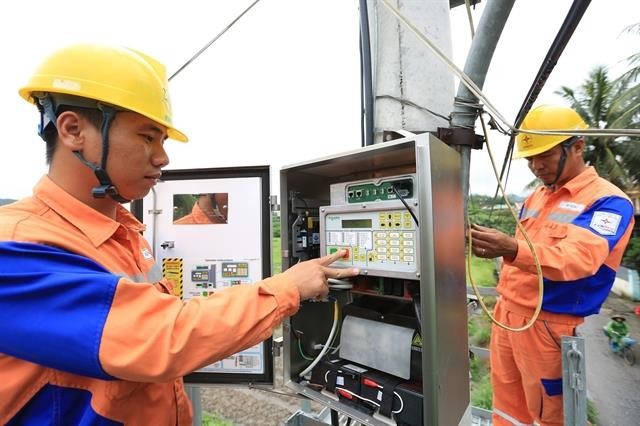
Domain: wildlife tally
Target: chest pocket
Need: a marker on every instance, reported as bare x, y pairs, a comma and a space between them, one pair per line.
555, 231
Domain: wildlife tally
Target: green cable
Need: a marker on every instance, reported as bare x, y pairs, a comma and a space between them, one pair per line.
302, 352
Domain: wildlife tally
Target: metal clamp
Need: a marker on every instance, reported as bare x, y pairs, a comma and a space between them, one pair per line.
168, 245
574, 381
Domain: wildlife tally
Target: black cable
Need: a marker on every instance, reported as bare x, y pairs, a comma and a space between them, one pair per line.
413, 215
306, 206
366, 79
416, 106
567, 28
416, 307
193, 58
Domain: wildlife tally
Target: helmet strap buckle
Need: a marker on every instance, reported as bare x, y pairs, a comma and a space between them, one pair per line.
106, 187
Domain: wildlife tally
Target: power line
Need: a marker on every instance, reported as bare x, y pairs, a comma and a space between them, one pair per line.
467, 81
213, 40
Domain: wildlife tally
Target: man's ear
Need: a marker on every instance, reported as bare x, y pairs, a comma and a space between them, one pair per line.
579, 146
71, 128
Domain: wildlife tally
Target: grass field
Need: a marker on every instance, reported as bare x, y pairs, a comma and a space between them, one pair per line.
209, 419
483, 272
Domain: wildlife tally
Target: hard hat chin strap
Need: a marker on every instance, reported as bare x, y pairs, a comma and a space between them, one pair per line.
48, 116
106, 187
563, 157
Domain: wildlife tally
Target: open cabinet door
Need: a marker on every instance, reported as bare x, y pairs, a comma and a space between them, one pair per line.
210, 229
388, 347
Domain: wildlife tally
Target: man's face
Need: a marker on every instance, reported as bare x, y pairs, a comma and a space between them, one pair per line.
136, 154
545, 165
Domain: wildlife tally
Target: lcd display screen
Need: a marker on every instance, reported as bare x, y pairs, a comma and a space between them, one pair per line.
357, 223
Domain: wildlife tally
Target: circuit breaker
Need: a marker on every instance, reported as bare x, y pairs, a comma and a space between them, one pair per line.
388, 346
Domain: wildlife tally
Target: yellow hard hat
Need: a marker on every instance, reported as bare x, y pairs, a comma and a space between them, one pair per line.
121, 77
546, 117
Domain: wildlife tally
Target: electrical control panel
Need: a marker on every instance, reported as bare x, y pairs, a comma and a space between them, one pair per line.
380, 238
387, 347
379, 234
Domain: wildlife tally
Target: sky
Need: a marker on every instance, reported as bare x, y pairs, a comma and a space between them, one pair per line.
282, 86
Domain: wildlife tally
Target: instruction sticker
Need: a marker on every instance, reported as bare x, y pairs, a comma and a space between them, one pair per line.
606, 223
172, 269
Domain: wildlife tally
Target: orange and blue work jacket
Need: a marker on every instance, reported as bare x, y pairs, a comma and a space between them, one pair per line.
86, 338
579, 233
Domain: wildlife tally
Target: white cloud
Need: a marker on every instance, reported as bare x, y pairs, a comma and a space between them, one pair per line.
282, 86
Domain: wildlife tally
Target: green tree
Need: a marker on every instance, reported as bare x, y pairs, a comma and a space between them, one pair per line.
487, 211
606, 103
633, 73
632, 255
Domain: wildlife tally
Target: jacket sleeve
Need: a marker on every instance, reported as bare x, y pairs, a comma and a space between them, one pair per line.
570, 251
53, 305
150, 336
67, 312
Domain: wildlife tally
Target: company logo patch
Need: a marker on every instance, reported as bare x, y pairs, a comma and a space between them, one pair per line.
606, 223
146, 254
574, 207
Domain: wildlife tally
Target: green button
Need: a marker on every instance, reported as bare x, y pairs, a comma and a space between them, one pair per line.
333, 250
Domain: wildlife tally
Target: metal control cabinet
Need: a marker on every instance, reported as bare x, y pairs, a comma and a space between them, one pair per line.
203, 256
438, 270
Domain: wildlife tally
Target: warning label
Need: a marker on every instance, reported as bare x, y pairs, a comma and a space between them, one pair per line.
172, 269
417, 340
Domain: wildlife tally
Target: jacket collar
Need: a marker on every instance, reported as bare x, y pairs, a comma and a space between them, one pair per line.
578, 182
97, 227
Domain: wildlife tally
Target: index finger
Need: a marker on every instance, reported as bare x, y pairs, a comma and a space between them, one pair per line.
480, 227
329, 259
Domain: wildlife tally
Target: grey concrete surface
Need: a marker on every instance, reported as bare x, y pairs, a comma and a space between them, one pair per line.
253, 407
613, 385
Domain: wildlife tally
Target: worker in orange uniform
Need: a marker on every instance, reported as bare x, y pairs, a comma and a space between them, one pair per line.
89, 331
579, 225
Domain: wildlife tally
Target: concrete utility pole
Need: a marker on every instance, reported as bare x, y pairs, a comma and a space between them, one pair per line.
413, 90
410, 83
407, 77
483, 45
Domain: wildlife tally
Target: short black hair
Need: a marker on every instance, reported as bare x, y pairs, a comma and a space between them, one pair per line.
50, 136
